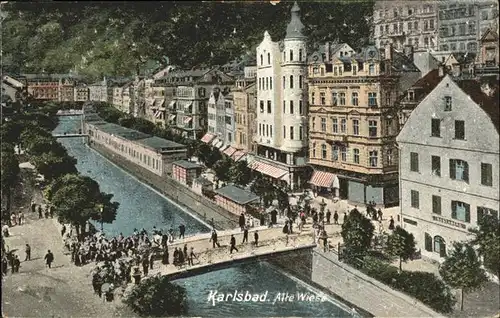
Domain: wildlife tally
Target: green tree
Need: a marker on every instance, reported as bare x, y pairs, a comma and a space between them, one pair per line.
77, 199
239, 173
264, 189
357, 233
281, 194
462, 269
158, 297
9, 174
401, 244
107, 209
487, 240
212, 157
221, 169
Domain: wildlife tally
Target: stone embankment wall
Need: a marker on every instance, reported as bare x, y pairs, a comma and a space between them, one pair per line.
201, 206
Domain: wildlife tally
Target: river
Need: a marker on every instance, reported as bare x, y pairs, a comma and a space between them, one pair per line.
143, 207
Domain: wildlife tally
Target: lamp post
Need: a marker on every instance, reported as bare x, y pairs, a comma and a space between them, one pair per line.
101, 210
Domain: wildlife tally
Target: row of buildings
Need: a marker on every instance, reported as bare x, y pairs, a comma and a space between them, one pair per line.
434, 25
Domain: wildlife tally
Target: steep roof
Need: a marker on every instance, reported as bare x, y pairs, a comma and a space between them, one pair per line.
489, 104
427, 83
236, 194
295, 27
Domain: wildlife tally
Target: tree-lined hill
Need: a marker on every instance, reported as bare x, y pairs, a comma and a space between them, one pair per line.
117, 38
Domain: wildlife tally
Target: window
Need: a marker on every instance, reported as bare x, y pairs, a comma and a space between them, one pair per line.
261, 60
300, 81
301, 110
300, 55
335, 153
291, 55
414, 161
356, 155
354, 70
354, 99
486, 174
428, 242
371, 69
447, 103
389, 157
261, 106
284, 107
334, 99
459, 170
482, 211
291, 81
343, 125
343, 153
270, 83
436, 204
431, 24
284, 82
436, 127
472, 27
291, 133
415, 25
460, 211
269, 108
313, 122
313, 150
300, 132
439, 246
268, 58
355, 127
270, 130
335, 127
414, 197
260, 83
335, 71
313, 99
373, 158
267, 82
460, 129
372, 128
342, 98
284, 132
323, 151
323, 124
372, 99
322, 98
436, 165
291, 107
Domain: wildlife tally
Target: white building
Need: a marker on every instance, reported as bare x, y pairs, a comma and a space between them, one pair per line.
449, 159
282, 105
98, 92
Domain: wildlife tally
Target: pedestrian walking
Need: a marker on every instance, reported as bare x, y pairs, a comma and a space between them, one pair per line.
213, 238
256, 238
145, 265
51, 212
185, 251
49, 258
28, 253
17, 264
40, 213
33, 206
63, 230
165, 260
379, 212
345, 218
336, 218
182, 230
328, 216
245, 235
391, 224
191, 256
5, 266
233, 245
151, 260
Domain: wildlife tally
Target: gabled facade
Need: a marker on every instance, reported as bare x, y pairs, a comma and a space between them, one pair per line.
98, 92
449, 164
488, 59
282, 106
245, 106
353, 122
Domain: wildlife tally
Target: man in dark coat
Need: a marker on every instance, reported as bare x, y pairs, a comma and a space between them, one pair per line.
182, 230
256, 238
214, 240
40, 212
28, 253
145, 265
328, 216
242, 221
49, 258
245, 235
336, 218
233, 245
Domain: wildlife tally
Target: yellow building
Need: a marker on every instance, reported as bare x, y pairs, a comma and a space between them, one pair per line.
245, 105
353, 122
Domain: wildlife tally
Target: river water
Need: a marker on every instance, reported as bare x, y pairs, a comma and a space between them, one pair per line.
142, 207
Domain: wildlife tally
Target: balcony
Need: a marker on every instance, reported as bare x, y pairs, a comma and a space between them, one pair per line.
397, 34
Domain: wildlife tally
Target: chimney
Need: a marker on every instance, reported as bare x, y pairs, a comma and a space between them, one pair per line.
327, 52
388, 51
441, 70
408, 50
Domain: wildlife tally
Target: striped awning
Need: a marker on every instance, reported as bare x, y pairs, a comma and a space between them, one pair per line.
187, 120
172, 117
219, 144
159, 102
171, 104
267, 169
237, 155
324, 179
158, 114
215, 141
189, 104
229, 151
207, 138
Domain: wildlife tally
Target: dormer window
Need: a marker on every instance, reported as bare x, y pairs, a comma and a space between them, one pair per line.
411, 96
269, 58
447, 104
261, 59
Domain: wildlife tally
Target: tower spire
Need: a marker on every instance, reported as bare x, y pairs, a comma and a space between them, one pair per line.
295, 27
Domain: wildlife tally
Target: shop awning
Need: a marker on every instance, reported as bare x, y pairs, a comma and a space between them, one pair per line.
238, 155
207, 138
219, 144
229, 151
158, 114
188, 105
187, 120
267, 169
171, 104
215, 141
324, 179
159, 102
172, 117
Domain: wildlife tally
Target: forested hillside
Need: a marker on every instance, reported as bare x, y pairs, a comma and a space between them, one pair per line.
118, 38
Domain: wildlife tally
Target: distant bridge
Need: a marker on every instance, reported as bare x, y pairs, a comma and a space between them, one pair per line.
69, 135
70, 112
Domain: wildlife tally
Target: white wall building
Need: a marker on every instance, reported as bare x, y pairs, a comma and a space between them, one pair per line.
449, 164
282, 105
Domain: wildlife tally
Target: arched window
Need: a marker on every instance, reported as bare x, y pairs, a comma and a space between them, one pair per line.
269, 58
261, 60
291, 81
291, 55
300, 81
428, 242
300, 55
439, 246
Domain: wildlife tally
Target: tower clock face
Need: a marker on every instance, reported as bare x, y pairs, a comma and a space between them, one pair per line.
371, 54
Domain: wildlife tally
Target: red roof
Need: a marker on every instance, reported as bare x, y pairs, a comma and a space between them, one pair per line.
428, 82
